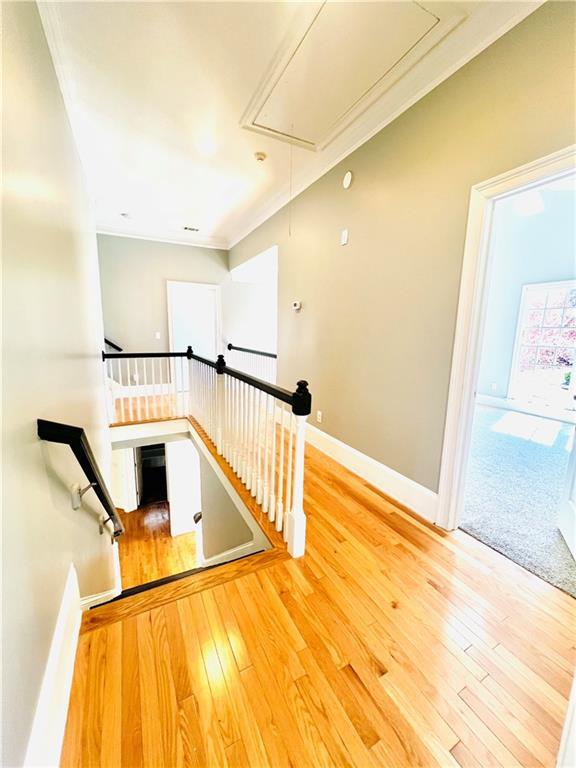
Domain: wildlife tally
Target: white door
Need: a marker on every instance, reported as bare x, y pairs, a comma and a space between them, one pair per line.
194, 318
567, 516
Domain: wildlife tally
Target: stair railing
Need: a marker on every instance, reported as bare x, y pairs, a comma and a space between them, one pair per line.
146, 386
256, 362
259, 429
256, 426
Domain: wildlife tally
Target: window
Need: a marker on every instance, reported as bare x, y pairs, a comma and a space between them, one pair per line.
545, 344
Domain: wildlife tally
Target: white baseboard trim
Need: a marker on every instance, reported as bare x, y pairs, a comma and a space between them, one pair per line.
407, 492
90, 601
47, 734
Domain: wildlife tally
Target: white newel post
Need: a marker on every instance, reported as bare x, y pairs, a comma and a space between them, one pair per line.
296, 519
220, 403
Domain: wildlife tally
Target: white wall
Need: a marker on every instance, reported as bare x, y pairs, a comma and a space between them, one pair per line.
52, 335
250, 303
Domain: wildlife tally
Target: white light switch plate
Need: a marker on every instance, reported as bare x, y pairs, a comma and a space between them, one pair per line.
344, 237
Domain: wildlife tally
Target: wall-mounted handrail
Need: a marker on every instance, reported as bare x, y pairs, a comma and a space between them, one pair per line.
112, 344
75, 437
252, 351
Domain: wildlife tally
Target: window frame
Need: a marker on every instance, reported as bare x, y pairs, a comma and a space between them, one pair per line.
570, 284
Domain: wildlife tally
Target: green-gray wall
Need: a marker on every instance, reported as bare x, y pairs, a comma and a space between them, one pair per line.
133, 276
375, 335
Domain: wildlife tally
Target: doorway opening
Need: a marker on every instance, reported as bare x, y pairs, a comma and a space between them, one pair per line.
509, 466
194, 317
152, 462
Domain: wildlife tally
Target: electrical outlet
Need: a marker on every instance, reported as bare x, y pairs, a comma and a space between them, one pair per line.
493, 386
319, 417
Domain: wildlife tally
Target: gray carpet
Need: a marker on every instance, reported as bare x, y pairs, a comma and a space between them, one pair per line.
515, 479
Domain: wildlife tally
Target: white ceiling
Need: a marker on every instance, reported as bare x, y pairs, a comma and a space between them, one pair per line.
158, 94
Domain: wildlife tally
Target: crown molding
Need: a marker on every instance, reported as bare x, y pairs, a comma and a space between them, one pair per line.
468, 40
481, 28
217, 243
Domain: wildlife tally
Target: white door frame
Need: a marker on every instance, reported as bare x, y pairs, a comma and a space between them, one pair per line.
216, 289
476, 270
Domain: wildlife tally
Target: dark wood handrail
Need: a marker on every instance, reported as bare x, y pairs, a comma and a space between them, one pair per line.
300, 400
252, 351
123, 355
112, 344
76, 438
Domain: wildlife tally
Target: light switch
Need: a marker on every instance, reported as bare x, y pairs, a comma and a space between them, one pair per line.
157, 335
344, 237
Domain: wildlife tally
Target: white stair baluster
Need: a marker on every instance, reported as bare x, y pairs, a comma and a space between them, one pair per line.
137, 388
249, 435
259, 481
153, 377
120, 373
146, 403
279, 503
272, 501
266, 485
289, 470
130, 399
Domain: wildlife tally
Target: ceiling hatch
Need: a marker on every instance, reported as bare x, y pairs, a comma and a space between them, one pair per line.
339, 60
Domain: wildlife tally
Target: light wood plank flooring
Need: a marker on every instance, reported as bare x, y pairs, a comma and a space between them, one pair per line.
148, 551
146, 408
390, 643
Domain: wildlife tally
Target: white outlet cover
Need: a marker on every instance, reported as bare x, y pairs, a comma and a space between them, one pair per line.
344, 237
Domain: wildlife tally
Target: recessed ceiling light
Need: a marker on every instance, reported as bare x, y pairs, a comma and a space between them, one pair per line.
191, 229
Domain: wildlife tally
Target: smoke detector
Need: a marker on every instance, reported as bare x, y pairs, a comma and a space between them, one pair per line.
260, 156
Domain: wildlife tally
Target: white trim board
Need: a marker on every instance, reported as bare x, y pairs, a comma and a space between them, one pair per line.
407, 492
47, 734
91, 601
470, 322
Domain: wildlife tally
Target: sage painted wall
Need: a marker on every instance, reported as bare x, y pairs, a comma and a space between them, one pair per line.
375, 335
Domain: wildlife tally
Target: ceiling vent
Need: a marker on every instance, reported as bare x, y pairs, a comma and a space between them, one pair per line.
338, 61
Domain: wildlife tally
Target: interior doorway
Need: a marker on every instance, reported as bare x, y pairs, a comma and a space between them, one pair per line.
508, 464
194, 318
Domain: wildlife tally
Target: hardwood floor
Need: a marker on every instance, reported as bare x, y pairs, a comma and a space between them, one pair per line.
390, 643
148, 551
146, 408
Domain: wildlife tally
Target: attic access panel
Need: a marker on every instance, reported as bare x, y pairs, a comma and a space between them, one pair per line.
340, 59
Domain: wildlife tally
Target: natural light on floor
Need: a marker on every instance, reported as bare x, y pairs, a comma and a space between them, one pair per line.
526, 427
